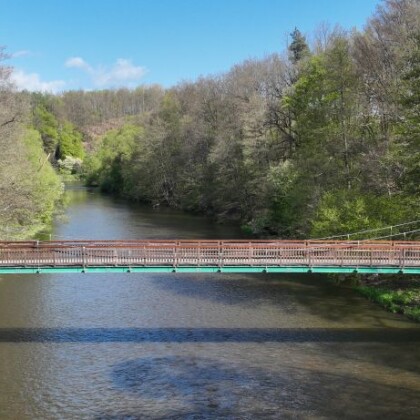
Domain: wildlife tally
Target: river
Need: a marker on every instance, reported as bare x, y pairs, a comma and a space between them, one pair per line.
195, 346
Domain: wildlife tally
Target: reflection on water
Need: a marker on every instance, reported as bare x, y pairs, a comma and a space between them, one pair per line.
94, 216
143, 346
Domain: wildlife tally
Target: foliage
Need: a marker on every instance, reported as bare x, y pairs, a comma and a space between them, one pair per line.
298, 49
309, 143
69, 165
60, 139
406, 301
287, 199
70, 142
46, 186
47, 125
410, 125
351, 211
107, 166
30, 188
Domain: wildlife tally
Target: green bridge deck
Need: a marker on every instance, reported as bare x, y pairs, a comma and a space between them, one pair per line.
209, 269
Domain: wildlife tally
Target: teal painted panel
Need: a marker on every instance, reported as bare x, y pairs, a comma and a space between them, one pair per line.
211, 269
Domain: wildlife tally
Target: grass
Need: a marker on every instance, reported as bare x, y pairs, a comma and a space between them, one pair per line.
396, 294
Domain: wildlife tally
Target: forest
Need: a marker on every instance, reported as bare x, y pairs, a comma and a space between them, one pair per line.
319, 140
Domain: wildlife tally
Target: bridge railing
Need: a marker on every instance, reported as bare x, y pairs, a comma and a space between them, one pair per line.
209, 253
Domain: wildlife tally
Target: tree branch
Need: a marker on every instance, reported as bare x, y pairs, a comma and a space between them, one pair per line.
8, 122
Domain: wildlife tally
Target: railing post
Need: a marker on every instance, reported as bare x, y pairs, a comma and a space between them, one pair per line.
175, 256
308, 255
250, 255
37, 253
83, 257
402, 258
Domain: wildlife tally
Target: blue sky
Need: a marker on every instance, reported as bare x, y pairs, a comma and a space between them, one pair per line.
95, 44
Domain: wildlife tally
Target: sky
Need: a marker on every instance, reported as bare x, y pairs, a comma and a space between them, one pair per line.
58, 45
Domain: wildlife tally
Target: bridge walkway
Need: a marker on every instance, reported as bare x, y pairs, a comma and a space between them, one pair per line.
210, 256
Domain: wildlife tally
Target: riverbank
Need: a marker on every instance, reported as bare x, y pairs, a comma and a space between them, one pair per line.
397, 294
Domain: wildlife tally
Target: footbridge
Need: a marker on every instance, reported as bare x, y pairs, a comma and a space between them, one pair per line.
210, 256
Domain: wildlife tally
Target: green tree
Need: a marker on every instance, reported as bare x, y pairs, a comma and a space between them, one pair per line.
115, 151
298, 48
69, 142
341, 211
410, 125
29, 187
47, 125
325, 100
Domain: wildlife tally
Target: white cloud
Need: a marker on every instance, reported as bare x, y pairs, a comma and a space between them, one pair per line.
33, 83
21, 53
78, 62
122, 72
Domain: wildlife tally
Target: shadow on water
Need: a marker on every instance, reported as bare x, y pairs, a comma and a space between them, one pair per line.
247, 290
209, 335
287, 292
320, 299
197, 387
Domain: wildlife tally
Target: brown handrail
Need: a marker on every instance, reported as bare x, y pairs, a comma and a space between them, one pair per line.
210, 252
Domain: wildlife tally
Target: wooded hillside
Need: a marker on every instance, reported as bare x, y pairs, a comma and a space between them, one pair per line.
29, 187
320, 140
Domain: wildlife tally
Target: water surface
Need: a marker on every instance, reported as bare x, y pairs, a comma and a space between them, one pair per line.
158, 346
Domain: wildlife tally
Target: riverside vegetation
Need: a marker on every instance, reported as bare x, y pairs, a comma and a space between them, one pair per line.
398, 295
29, 187
321, 140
